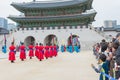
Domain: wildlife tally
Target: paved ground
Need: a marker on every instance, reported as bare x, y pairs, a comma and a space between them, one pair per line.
64, 67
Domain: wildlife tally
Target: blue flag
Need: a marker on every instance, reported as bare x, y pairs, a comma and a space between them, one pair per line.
4, 48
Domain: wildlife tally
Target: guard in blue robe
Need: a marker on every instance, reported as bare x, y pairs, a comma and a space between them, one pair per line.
67, 48
70, 49
76, 49
62, 48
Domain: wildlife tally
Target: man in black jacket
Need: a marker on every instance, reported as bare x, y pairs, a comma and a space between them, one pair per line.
117, 56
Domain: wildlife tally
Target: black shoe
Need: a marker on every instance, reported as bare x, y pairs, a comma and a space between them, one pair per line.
12, 61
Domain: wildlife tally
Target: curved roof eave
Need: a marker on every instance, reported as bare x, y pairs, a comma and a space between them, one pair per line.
48, 5
54, 18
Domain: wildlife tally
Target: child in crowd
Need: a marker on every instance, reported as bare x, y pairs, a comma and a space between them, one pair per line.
103, 67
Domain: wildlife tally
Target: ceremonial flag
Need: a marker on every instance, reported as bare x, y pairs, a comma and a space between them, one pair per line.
74, 41
63, 42
5, 39
13, 40
20, 43
77, 38
71, 38
55, 41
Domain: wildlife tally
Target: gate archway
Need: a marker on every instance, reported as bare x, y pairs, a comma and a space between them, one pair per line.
73, 40
51, 40
29, 40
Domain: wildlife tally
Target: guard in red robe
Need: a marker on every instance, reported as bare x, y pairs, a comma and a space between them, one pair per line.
55, 50
22, 52
36, 50
64, 48
50, 51
31, 51
12, 53
46, 51
41, 53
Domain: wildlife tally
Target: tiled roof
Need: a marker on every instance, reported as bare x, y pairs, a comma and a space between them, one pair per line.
38, 4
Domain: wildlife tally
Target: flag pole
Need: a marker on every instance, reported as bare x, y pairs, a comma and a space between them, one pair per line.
72, 42
53, 40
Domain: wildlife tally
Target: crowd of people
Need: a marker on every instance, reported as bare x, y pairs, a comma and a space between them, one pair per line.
41, 52
108, 56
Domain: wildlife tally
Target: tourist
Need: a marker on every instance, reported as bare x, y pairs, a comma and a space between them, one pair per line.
104, 49
31, 51
117, 56
117, 59
112, 62
22, 52
97, 50
12, 53
103, 44
117, 40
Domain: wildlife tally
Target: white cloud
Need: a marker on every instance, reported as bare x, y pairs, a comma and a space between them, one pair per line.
107, 10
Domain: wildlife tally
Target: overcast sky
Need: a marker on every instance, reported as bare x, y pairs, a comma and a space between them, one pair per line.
106, 10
